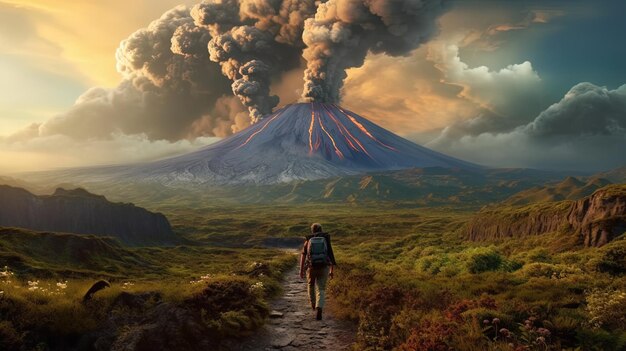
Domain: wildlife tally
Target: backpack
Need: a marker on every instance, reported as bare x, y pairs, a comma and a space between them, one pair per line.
317, 251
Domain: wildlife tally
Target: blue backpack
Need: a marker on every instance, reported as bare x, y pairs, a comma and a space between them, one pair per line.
317, 251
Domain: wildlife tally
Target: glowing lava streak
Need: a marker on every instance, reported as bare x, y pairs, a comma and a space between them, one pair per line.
349, 135
311, 130
363, 129
260, 130
337, 151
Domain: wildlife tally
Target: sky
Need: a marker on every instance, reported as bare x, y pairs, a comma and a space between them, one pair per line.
536, 84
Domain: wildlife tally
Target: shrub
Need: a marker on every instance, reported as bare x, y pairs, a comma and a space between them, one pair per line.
229, 307
548, 270
614, 259
606, 308
484, 260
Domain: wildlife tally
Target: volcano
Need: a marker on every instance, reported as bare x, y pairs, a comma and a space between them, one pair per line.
303, 141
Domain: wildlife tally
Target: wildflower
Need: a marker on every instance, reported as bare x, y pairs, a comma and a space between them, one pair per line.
505, 332
486, 321
1, 293
256, 286
543, 331
496, 320
62, 285
541, 339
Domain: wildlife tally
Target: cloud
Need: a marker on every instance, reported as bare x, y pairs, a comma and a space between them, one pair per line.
405, 94
504, 92
168, 83
59, 151
585, 110
585, 130
433, 89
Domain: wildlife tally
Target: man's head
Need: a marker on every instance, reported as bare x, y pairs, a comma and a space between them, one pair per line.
316, 228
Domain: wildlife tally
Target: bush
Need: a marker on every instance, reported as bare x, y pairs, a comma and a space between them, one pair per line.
614, 259
229, 307
484, 260
607, 309
548, 270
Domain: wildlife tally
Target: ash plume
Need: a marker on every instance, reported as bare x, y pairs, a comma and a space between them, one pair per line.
254, 41
344, 31
177, 70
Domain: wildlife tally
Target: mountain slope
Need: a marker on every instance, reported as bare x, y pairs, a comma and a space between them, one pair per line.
298, 142
569, 189
78, 211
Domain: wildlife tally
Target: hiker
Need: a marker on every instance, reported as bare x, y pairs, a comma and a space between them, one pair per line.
319, 261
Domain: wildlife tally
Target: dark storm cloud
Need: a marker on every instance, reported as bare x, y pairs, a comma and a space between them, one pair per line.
585, 130
344, 31
169, 82
586, 109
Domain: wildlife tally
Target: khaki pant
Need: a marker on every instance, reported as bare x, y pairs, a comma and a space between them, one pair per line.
317, 277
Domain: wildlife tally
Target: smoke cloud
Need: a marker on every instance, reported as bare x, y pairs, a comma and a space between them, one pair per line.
179, 72
344, 31
254, 41
168, 83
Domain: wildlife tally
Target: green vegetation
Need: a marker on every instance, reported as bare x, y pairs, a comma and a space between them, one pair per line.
406, 277
436, 292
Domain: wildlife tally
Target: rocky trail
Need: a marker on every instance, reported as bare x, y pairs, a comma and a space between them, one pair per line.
292, 325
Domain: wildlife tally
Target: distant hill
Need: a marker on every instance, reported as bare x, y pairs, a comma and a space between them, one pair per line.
569, 189
617, 175
596, 219
78, 211
43, 253
424, 186
427, 186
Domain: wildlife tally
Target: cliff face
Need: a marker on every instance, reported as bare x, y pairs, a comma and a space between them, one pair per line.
597, 218
601, 216
78, 211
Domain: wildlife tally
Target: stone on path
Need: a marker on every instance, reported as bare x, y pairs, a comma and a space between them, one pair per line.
276, 314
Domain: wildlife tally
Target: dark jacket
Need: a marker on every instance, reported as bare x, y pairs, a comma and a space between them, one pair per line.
326, 236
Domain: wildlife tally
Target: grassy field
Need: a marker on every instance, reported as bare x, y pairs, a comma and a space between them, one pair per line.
406, 277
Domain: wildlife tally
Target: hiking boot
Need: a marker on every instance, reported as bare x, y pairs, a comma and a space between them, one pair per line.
319, 314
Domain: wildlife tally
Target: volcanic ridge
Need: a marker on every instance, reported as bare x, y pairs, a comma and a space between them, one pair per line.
301, 141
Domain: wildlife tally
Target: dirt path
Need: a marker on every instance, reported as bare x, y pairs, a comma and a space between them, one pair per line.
294, 326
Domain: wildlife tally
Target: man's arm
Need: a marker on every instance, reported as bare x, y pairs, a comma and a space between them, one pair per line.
302, 265
302, 260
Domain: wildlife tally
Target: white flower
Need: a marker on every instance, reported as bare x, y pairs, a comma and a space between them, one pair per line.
256, 286
62, 285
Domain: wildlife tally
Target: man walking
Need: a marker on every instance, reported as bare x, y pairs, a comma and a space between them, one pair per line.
318, 260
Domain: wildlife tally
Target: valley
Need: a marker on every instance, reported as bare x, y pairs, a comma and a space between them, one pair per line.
412, 261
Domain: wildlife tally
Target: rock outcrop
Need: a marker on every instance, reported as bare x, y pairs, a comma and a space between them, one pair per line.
80, 212
597, 218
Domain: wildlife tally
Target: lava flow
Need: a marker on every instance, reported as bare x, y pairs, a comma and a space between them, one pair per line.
363, 129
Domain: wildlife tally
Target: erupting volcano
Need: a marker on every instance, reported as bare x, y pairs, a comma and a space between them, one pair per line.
302, 141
